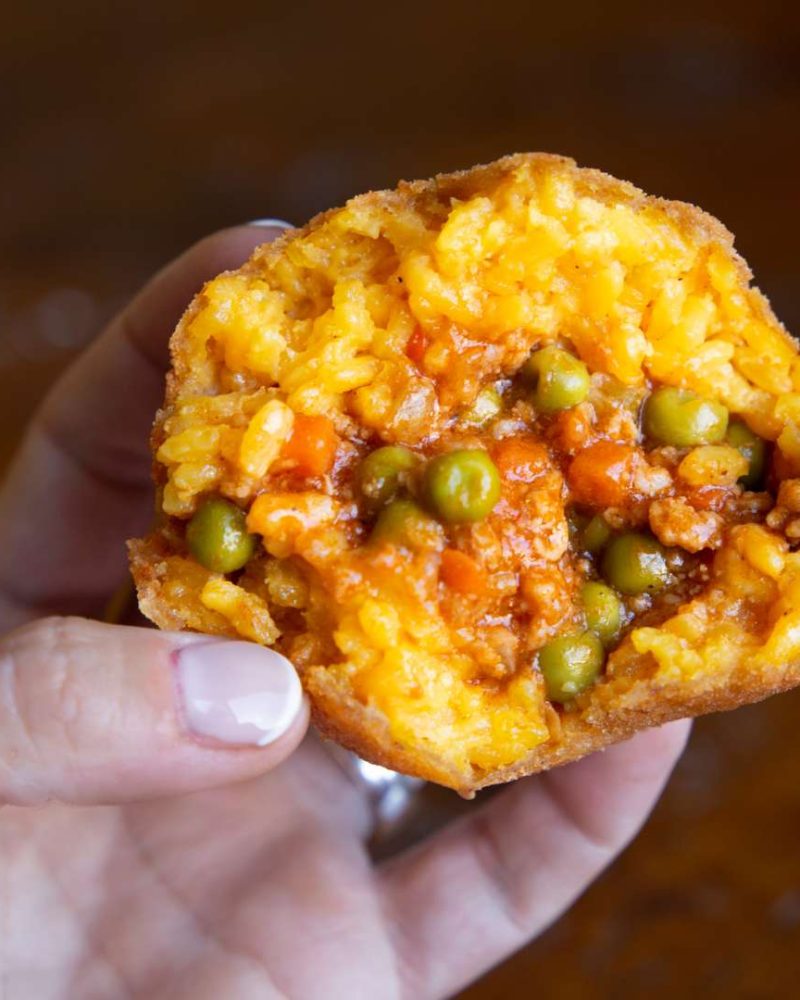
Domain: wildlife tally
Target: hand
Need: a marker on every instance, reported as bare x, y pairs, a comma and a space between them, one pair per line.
195, 865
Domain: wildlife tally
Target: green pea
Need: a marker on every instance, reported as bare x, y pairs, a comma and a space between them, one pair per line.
217, 536
635, 564
570, 664
403, 522
461, 486
595, 534
485, 407
380, 475
602, 609
754, 450
684, 419
561, 380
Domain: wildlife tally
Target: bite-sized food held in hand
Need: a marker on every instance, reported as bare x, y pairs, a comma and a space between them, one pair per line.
507, 463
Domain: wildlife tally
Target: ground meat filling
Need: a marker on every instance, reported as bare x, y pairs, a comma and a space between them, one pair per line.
556, 512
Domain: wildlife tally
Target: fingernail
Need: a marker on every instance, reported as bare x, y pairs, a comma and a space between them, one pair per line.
237, 693
270, 223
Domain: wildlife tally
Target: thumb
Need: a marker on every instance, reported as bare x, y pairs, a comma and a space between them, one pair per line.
94, 713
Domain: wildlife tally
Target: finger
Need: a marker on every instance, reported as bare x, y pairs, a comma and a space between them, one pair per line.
80, 484
483, 887
93, 713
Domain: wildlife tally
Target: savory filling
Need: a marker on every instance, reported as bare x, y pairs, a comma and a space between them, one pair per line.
625, 527
464, 460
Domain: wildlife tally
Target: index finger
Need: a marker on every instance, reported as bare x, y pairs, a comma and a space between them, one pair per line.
80, 483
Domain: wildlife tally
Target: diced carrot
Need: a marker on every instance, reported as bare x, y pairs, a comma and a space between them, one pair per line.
602, 475
461, 573
520, 459
312, 446
417, 345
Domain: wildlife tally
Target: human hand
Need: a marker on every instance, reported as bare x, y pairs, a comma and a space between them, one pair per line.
195, 865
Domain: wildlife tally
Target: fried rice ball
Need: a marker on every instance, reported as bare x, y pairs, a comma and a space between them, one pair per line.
503, 461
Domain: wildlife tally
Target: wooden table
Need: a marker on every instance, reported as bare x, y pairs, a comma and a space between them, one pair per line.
128, 131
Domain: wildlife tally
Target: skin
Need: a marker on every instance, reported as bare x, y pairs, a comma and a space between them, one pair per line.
198, 871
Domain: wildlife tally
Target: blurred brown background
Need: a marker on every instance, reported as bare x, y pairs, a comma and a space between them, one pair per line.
129, 130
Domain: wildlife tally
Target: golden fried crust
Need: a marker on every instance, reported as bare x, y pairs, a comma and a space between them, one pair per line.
145, 556
645, 702
344, 720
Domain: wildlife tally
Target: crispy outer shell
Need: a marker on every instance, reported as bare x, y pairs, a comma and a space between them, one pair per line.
646, 702
341, 718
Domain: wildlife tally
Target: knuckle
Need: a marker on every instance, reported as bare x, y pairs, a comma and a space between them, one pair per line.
512, 899
47, 712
